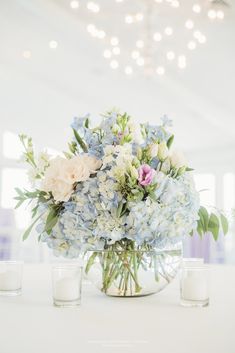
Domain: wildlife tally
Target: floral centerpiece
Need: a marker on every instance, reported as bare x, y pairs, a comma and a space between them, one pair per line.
121, 195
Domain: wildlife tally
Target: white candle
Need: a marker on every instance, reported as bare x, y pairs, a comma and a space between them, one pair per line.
10, 280
195, 286
66, 289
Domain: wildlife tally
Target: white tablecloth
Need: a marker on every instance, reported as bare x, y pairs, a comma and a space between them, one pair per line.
30, 324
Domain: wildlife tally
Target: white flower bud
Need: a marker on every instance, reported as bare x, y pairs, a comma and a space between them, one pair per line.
162, 151
153, 150
166, 166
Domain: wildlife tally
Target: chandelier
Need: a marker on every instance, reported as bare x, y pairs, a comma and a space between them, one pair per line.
150, 37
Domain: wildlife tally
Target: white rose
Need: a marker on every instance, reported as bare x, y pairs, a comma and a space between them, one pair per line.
178, 159
74, 170
55, 182
92, 163
62, 191
162, 151
62, 173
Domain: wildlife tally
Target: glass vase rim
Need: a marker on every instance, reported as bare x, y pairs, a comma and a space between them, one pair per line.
155, 251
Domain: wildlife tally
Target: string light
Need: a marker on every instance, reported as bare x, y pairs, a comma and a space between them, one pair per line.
107, 54
135, 54
53, 44
196, 8
181, 61
114, 64
157, 37
74, 5
154, 42
170, 55
168, 31
114, 41
211, 14
93, 7
140, 61
220, 14
128, 70
116, 50
129, 19
175, 3
191, 45
160, 70
140, 44
27, 54
189, 24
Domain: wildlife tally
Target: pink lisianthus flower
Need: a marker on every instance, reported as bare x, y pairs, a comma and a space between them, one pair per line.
146, 175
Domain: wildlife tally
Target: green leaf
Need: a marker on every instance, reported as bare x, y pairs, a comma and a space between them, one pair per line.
90, 262
28, 230
19, 203
170, 141
189, 169
19, 192
34, 211
80, 141
86, 123
51, 221
224, 223
119, 209
200, 227
204, 218
67, 155
214, 225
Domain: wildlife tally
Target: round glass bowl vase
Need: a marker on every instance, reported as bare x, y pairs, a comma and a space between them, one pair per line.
133, 273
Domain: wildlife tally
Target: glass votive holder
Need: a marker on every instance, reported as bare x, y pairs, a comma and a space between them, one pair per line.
11, 277
194, 286
67, 285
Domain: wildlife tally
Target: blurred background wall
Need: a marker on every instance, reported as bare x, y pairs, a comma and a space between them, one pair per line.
52, 69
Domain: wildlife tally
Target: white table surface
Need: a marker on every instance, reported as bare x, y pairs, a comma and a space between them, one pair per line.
30, 324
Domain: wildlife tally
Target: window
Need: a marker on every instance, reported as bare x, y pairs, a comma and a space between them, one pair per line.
12, 148
229, 191
206, 185
12, 178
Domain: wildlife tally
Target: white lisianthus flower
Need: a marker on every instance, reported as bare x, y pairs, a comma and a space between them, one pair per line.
135, 131
133, 172
32, 175
178, 160
163, 151
43, 161
166, 166
153, 150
